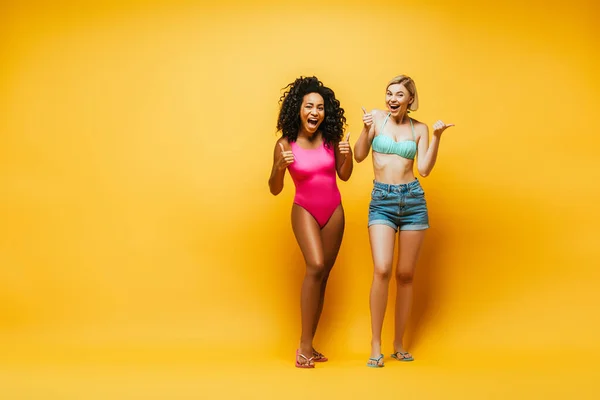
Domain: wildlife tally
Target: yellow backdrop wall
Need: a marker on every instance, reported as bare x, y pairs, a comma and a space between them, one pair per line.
136, 141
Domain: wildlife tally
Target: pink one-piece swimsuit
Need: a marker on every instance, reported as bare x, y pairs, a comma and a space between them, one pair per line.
314, 174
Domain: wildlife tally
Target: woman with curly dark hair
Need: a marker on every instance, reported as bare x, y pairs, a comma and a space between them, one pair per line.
313, 149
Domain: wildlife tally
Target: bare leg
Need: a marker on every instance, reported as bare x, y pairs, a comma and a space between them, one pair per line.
382, 249
331, 235
308, 236
409, 246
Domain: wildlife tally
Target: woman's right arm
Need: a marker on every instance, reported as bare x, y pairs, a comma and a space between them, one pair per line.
363, 144
281, 159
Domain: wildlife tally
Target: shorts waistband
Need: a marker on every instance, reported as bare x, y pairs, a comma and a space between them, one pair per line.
396, 188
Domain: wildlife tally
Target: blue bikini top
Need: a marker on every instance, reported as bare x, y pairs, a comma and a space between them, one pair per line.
385, 144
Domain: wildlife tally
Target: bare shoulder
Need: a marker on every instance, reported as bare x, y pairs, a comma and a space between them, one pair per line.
420, 127
378, 115
283, 140
378, 112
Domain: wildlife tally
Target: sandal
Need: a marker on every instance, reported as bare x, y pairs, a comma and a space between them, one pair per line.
377, 360
403, 356
308, 361
318, 357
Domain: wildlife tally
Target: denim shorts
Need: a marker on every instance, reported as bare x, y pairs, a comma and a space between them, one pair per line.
400, 206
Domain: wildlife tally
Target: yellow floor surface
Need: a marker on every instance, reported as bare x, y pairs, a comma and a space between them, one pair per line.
192, 373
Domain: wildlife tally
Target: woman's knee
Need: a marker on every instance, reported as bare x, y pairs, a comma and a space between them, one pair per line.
404, 277
316, 269
382, 272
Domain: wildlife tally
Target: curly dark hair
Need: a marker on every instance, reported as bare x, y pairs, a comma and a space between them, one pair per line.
288, 122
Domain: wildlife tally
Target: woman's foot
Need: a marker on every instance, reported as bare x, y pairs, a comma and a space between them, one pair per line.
375, 362
402, 355
318, 357
376, 358
302, 361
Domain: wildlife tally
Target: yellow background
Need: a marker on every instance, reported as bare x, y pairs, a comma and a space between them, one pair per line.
142, 255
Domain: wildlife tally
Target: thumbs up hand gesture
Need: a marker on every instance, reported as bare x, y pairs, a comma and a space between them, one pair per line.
344, 146
287, 157
440, 127
367, 118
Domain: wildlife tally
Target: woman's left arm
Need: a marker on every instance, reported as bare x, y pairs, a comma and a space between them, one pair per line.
343, 159
428, 151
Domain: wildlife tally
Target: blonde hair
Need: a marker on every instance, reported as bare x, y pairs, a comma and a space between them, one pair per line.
409, 84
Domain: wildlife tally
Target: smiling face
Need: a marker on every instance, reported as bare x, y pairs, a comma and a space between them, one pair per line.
312, 112
398, 98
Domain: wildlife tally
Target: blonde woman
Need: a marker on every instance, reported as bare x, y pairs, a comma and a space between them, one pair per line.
398, 207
